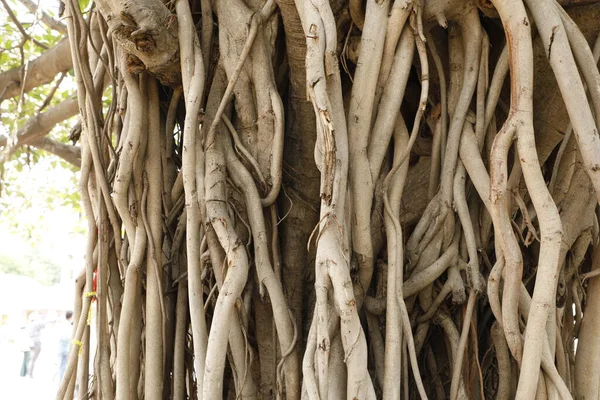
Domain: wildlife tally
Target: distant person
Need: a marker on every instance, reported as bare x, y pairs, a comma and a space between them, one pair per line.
25, 344
36, 325
64, 341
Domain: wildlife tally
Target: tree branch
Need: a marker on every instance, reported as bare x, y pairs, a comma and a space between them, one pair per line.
42, 70
71, 154
52, 92
15, 20
39, 126
45, 18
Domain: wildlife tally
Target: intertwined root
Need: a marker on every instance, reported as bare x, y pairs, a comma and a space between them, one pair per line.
380, 304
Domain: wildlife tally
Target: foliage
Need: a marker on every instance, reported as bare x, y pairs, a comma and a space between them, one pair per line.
31, 264
25, 185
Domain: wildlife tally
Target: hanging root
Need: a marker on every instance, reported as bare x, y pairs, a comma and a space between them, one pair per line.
418, 170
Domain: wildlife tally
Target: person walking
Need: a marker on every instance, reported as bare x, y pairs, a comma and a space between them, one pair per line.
64, 341
35, 335
25, 344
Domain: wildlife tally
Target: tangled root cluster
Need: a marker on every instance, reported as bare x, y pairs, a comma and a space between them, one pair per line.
338, 200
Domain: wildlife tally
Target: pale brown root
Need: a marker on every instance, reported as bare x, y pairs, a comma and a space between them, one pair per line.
89, 102
152, 220
360, 115
482, 89
504, 369
337, 370
559, 165
500, 72
456, 61
421, 279
131, 143
128, 340
310, 389
234, 70
458, 361
270, 114
434, 172
266, 275
133, 360
181, 313
423, 233
206, 39
472, 36
393, 225
586, 61
327, 100
549, 219
276, 150
554, 37
460, 203
322, 287
493, 289
561, 355
389, 107
399, 13
547, 360
67, 385
440, 138
237, 265
395, 276
82, 306
473, 163
84, 363
238, 347
439, 299
102, 362
513, 263
410, 344
444, 320
192, 69
420, 45
587, 379
81, 335
170, 175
